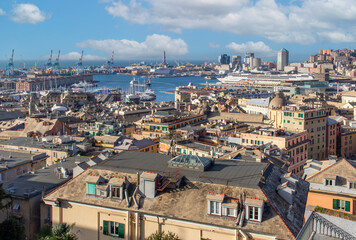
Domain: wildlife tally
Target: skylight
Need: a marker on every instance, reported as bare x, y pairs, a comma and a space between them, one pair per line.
190, 161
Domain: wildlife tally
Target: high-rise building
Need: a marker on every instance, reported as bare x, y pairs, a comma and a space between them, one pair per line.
236, 61
248, 57
282, 59
224, 59
256, 62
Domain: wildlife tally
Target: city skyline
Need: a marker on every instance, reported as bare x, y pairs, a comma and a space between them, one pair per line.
186, 30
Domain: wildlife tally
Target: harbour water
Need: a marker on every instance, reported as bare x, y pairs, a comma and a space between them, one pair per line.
157, 84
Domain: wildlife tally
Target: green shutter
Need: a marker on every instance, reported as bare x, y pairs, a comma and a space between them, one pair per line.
347, 206
105, 227
121, 230
91, 188
334, 203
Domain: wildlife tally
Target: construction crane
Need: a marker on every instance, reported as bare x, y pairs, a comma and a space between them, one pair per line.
10, 70
80, 64
56, 64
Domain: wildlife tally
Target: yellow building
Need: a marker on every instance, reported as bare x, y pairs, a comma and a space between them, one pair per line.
299, 117
14, 164
334, 187
161, 123
55, 152
293, 143
133, 194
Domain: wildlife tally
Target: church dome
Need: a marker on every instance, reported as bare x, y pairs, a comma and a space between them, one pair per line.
278, 101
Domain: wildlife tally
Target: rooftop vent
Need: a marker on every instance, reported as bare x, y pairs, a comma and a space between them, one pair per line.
190, 162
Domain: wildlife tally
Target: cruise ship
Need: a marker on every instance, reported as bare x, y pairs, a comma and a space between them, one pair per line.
264, 78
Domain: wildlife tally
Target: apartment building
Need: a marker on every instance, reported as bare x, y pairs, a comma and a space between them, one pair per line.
27, 192
334, 186
54, 151
161, 123
293, 143
14, 164
300, 117
332, 136
134, 194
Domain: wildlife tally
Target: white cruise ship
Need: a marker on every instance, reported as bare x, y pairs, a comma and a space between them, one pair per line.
264, 78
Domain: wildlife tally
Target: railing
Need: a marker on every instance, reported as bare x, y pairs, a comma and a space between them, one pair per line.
316, 224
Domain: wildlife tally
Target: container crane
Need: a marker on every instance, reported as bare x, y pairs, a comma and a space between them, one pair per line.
111, 63
56, 64
80, 64
10, 70
49, 63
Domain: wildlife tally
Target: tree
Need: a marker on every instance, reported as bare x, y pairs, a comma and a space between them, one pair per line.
161, 235
58, 232
12, 229
4, 198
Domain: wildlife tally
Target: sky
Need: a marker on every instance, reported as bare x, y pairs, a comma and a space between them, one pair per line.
185, 29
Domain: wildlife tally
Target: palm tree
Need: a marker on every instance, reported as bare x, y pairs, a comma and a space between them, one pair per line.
61, 232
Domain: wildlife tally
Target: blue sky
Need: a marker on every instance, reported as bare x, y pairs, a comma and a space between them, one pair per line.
186, 29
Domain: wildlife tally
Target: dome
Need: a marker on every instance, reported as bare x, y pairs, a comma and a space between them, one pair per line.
278, 101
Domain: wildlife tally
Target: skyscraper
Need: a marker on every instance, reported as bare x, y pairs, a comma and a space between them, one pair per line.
282, 59
224, 59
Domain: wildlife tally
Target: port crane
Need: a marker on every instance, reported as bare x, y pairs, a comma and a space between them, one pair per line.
56, 64
10, 70
80, 64
111, 63
49, 63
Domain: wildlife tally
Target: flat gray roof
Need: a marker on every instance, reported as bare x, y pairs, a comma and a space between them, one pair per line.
226, 172
30, 142
11, 159
30, 185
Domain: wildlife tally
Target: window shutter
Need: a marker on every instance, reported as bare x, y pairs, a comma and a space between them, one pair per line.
347, 206
121, 230
105, 227
334, 203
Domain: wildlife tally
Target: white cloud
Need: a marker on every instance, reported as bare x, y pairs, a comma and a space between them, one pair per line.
295, 21
153, 46
2, 12
76, 55
214, 45
259, 48
27, 13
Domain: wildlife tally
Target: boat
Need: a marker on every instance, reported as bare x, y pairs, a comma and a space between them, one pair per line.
147, 95
83, 84
133, 82
264, 78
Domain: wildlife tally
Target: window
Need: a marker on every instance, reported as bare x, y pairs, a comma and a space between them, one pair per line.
253, 213
352, 185
341, 205
114, 229
54, 154
243, 140
91, 188
215, 207
230, 212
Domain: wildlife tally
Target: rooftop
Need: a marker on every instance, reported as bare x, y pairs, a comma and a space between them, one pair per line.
11, 159
30, 142
44, 179
237, 173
